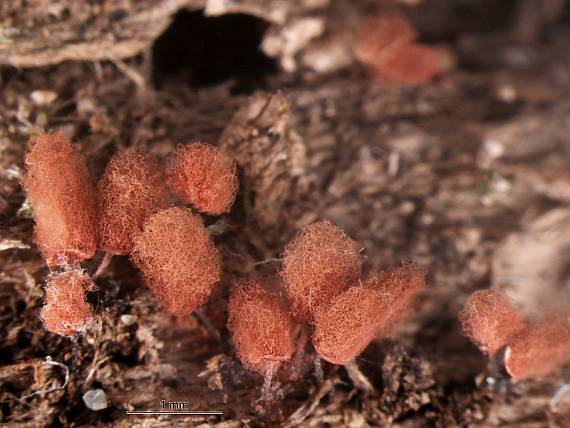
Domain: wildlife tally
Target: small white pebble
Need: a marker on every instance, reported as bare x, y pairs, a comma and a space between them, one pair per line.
507, 93
393, 163
128, 319
494, 148
43, 97
13, 172
167, 371
502, 185
86, 106
95, 399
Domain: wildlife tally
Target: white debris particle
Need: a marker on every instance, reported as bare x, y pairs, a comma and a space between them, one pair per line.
494, 148
128, 319
95, 399
43, 97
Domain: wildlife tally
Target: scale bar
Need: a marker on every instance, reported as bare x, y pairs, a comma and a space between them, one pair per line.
151, 412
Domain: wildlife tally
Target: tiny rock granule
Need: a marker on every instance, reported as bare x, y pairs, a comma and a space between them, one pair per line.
319, 264
203, 176
489, 319
66, 310
540, 349
60, 191
261, 325
131, 189
386, 45
345, 327
178, 259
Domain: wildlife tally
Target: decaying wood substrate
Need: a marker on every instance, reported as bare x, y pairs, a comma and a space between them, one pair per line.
431, 173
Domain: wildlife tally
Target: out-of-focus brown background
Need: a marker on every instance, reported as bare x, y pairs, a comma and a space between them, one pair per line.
466, 174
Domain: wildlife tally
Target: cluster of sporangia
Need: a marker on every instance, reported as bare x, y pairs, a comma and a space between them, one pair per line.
131, 212
529, 348
388, 47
